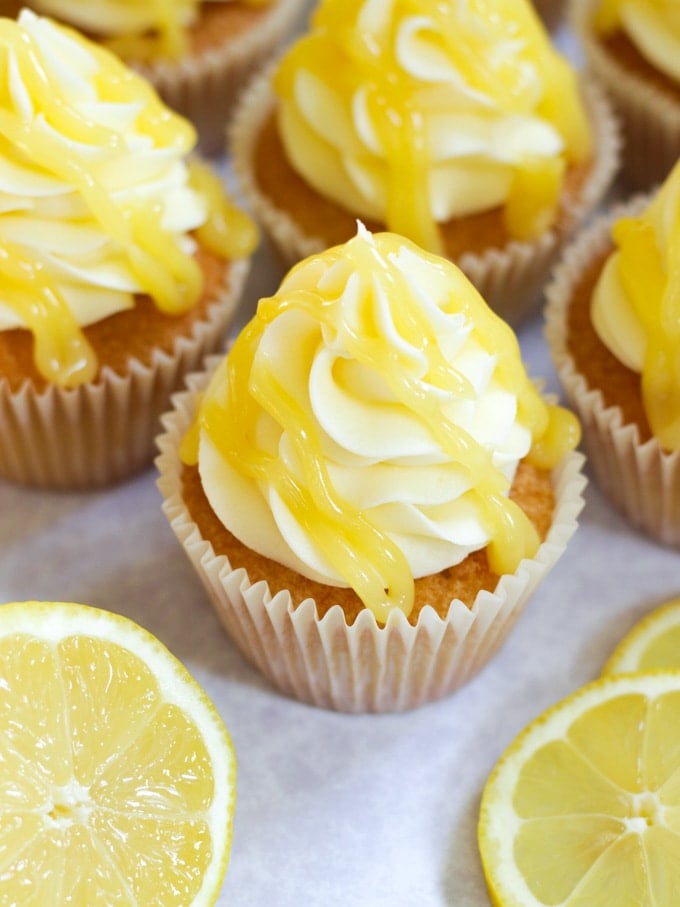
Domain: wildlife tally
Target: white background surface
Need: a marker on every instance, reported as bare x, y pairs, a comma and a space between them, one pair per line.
358, 811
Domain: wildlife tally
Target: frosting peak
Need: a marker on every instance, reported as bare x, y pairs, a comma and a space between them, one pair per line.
384, 447
412, 113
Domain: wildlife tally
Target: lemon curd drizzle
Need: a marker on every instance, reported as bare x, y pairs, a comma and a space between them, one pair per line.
245, 384
228, 231
347, 50
649, 269
164, 271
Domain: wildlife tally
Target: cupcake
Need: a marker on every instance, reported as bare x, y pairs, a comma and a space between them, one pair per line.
198, 55
612, 325
464, 132
370, 515
633, 49
121, 259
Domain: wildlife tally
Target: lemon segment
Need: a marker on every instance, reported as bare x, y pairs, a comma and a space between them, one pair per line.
653, 643
583, 808
116, 773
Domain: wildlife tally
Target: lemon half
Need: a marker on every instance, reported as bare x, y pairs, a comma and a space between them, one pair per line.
117, 775
583, 808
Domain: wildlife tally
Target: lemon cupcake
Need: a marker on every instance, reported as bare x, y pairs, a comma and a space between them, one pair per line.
612, 324
464, 132
370, 515
198, 54
633, 48
122, 261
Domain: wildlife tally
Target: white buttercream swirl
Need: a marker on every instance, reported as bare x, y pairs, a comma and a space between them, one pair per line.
380, 454
473, 139
615, 319
48, 216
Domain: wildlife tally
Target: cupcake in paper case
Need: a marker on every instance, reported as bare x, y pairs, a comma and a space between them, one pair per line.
198, 54
368, 484
612, 322
467, 133
632, 47
121, 260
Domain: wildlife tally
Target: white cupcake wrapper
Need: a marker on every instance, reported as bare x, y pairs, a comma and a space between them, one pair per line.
362, 667
510, 279
650, 119
98, 433
641, 480
205, 88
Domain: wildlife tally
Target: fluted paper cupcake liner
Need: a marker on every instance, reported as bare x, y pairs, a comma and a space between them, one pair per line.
99, 433
650, 118
640, 479
205, 87
510, 278
361, 667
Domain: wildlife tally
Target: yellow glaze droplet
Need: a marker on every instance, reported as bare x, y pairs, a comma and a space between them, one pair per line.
562, 434
343, 53
649, 269
228, 232
162, 268
61, 350
534, 196
246, 385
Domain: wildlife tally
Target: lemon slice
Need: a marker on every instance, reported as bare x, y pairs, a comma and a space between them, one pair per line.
116, 772
583, 809
654, 642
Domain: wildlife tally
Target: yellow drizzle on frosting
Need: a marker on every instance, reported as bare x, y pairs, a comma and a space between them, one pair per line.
345, 54
61, 350
167, 273
245, 385
649, 269
228, 231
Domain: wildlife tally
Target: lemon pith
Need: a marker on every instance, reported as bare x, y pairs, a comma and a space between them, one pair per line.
583, 809
116, 774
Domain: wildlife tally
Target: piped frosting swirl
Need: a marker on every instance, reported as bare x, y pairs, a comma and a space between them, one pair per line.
366, 425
